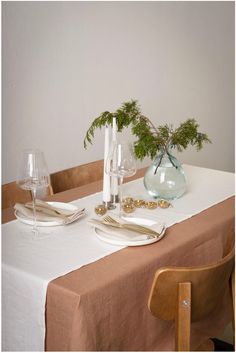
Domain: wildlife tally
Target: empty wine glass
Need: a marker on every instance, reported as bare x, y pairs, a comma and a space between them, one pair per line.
33, 175
121, 163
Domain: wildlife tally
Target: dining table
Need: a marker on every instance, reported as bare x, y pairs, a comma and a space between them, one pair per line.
71, 291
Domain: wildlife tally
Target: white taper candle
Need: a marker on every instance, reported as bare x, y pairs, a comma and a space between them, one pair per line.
114, 129
106, 178
114, 181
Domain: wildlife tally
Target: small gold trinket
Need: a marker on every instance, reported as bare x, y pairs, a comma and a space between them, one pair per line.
151, 204
139, 203
164, 204
128, 207
100, 210
128, 200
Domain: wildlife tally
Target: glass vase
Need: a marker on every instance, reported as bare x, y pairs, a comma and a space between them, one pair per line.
165, 177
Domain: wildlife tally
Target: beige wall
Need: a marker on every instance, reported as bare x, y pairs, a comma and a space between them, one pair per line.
65, 62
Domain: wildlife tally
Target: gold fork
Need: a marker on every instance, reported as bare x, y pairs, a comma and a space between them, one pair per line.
67, 219
44, 205
135, 227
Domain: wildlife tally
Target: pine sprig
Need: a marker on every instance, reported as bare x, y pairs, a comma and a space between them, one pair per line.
103, 119
187, 133
150, 139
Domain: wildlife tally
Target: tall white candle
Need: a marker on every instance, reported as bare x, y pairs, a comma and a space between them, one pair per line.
114, 181
106, 177
114, 129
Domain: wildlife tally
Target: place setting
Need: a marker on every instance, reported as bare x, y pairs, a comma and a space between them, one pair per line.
33, 175
116, 231
48, 214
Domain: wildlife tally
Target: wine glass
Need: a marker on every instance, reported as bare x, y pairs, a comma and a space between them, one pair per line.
121, 163
33, 175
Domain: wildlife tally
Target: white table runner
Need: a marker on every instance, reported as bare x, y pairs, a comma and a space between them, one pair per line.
29, 265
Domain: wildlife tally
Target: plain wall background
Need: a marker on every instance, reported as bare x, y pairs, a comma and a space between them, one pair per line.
63, 63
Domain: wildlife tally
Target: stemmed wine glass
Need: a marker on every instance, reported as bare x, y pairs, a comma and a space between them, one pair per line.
121, 163
33, 175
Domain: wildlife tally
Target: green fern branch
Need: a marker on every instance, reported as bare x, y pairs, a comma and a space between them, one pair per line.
150, 139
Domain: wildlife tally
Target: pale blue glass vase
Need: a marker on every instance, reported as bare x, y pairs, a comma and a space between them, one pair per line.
165, 177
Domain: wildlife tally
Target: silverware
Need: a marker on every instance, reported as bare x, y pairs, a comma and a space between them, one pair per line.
67, 219
73, 218
46, 211
43, 204
132, 227
135, 227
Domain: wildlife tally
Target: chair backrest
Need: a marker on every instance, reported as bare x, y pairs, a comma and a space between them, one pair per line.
12, 193
77, 176
208, 284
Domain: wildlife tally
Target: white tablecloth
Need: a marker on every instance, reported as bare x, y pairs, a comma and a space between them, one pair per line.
28, 265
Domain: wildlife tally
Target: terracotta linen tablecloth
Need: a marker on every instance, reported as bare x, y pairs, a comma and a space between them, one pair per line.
103, 306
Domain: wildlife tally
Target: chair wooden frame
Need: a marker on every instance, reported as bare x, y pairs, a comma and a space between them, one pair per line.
188, 294
12, 193
77, 176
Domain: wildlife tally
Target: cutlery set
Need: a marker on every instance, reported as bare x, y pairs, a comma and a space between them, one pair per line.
111, 222
45, 207
67, 216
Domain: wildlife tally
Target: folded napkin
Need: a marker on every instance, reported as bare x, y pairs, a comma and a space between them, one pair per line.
49, 209
124, 234
41, 216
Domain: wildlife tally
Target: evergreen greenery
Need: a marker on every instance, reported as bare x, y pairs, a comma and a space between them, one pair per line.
150, 139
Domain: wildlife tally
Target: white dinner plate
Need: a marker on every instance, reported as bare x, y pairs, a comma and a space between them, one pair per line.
114, 239
62, 205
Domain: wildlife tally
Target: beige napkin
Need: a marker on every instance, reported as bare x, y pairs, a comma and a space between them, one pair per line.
40, 216
123, 234
49, 209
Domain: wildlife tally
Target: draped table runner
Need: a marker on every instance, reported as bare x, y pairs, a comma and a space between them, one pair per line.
28, 266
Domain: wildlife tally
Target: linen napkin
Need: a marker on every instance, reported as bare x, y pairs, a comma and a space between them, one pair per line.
19, 207
40, 216
123, 234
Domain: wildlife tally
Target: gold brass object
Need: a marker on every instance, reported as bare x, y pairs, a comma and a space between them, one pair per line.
100, 210
139, 203
128, 200
151, 204
128, 207
164, 204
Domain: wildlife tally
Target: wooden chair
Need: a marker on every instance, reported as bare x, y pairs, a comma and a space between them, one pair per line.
77, 176
12, 193
189, 294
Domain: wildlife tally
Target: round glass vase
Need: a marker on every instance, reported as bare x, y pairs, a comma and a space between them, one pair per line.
165, 177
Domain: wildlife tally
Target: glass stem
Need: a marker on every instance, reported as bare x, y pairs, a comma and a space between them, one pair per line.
35, 229
120, 182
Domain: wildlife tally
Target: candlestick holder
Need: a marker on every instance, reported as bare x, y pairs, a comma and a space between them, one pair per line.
109, 205
115, 198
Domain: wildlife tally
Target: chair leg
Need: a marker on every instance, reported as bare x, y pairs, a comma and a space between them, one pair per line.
183, 318
50, 190
232, 287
